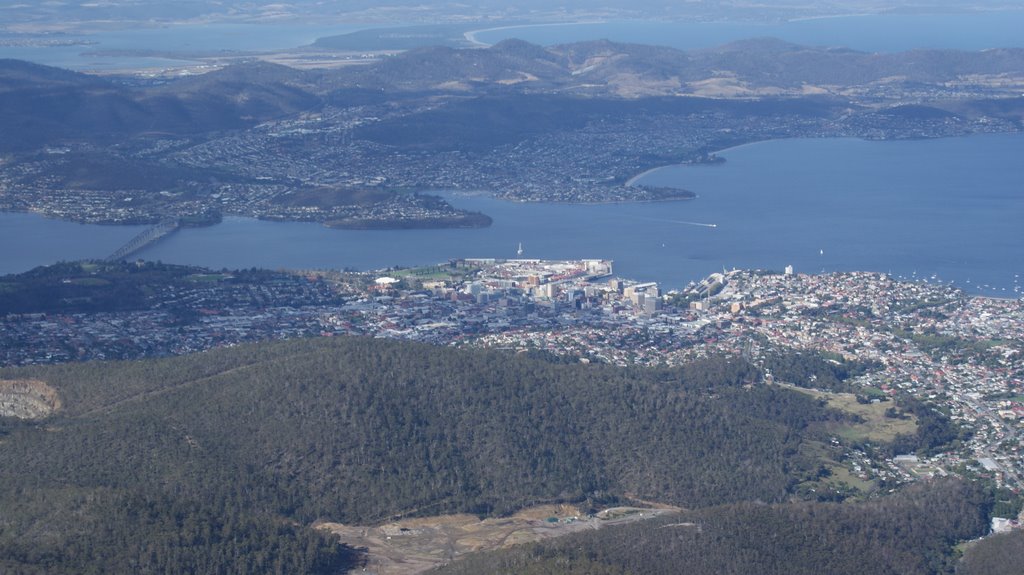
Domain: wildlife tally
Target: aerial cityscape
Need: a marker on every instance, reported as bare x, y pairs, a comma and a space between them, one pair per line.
261, 363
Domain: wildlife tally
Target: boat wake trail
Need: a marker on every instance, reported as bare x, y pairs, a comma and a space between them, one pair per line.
681, 222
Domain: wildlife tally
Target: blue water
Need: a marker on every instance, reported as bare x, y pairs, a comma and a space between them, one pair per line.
870, 33
30, 240
952, 208
182, 38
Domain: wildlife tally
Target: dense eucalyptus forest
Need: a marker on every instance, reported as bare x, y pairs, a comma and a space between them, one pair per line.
222, 462
908, 533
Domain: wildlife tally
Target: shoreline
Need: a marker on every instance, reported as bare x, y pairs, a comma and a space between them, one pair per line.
832, 17
490, 195
632, 181
601, 203
470, 35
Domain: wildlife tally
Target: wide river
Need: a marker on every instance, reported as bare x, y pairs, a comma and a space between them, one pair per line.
950, 208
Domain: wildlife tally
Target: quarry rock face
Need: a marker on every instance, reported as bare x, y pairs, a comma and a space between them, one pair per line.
27, 399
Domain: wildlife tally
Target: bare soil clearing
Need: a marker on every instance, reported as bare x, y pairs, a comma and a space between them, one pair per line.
415, 545
27, 399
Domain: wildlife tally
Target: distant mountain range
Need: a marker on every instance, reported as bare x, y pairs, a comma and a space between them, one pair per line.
630, 70
39, 104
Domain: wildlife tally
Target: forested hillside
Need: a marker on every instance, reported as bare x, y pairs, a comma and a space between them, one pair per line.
912, 532
1001, 554
221, 462
235, 451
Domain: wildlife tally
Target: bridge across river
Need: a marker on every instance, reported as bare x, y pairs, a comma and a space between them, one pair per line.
144, 239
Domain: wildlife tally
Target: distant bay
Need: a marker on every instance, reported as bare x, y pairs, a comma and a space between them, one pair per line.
950, 208
113, 49
169, 39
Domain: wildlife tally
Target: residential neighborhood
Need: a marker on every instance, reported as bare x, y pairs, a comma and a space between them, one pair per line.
961, 354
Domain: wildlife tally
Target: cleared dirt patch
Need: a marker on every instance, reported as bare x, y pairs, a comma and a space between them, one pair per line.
874, 424
415, 545
27, 399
